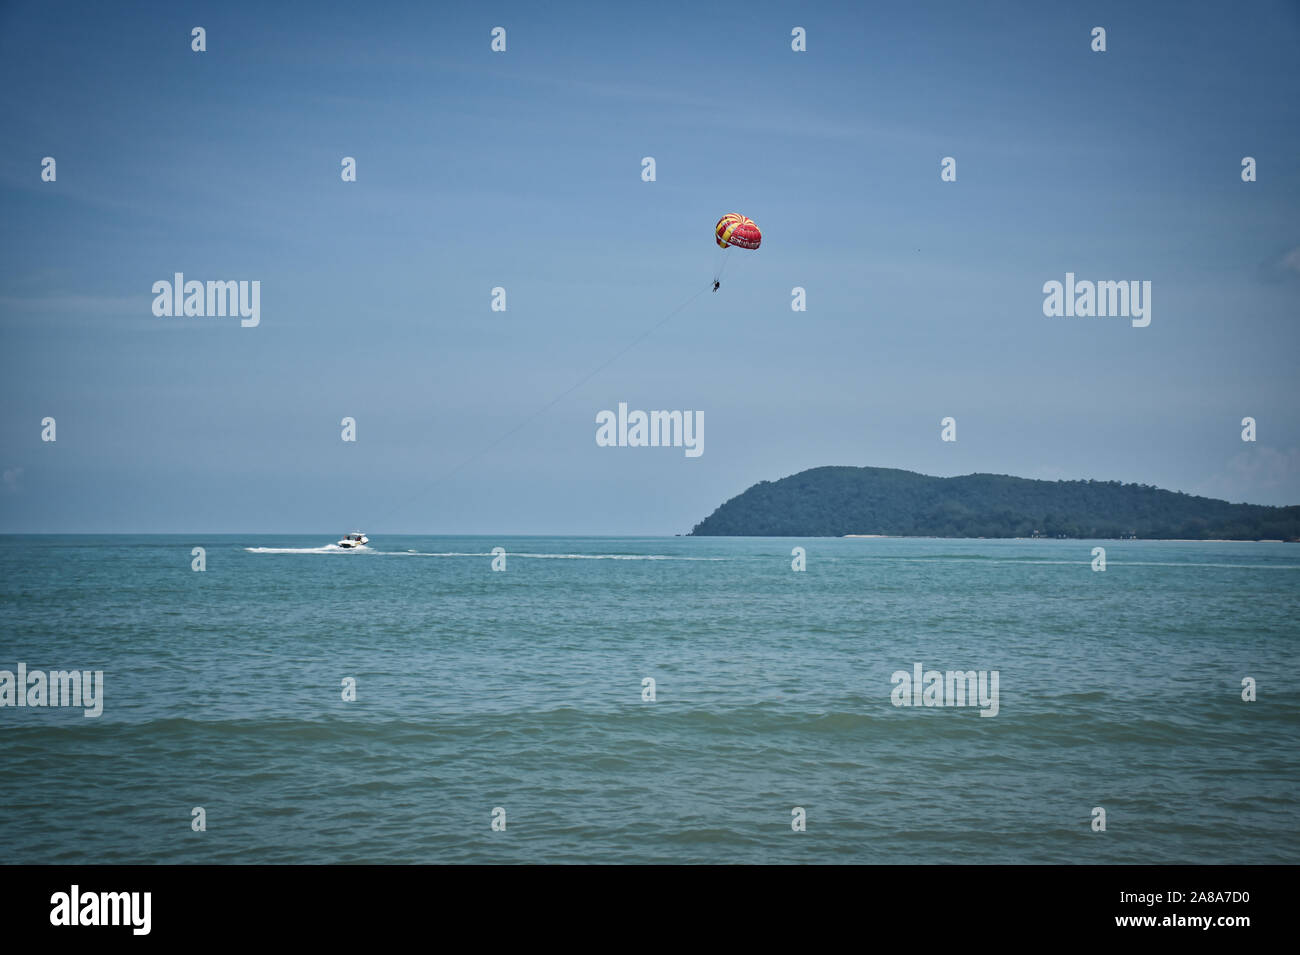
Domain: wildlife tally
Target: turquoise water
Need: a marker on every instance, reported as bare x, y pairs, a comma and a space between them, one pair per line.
523, 690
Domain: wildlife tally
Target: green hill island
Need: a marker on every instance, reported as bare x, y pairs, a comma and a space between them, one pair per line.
846, 501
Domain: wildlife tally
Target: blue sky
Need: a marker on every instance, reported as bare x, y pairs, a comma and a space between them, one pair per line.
522, 169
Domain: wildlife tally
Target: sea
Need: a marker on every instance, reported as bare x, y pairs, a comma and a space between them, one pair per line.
651, 700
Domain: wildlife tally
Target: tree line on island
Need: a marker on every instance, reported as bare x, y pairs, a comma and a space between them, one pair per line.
835, 501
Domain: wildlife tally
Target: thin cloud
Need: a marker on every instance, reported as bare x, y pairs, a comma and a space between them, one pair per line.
11, 480
1283, 268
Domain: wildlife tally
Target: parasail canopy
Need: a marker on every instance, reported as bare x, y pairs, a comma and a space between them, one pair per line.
735, 229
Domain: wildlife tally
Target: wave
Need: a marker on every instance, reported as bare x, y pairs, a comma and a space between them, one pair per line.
1110, 561
336, 549
327, 549
830, 558
411, 553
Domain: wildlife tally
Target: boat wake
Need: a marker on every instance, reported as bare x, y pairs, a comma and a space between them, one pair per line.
412, 553
336, 549
327, 549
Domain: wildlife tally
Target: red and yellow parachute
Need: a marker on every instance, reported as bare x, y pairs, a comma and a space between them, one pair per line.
735, 229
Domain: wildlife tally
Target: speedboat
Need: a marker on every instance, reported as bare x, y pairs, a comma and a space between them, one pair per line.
355, 539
